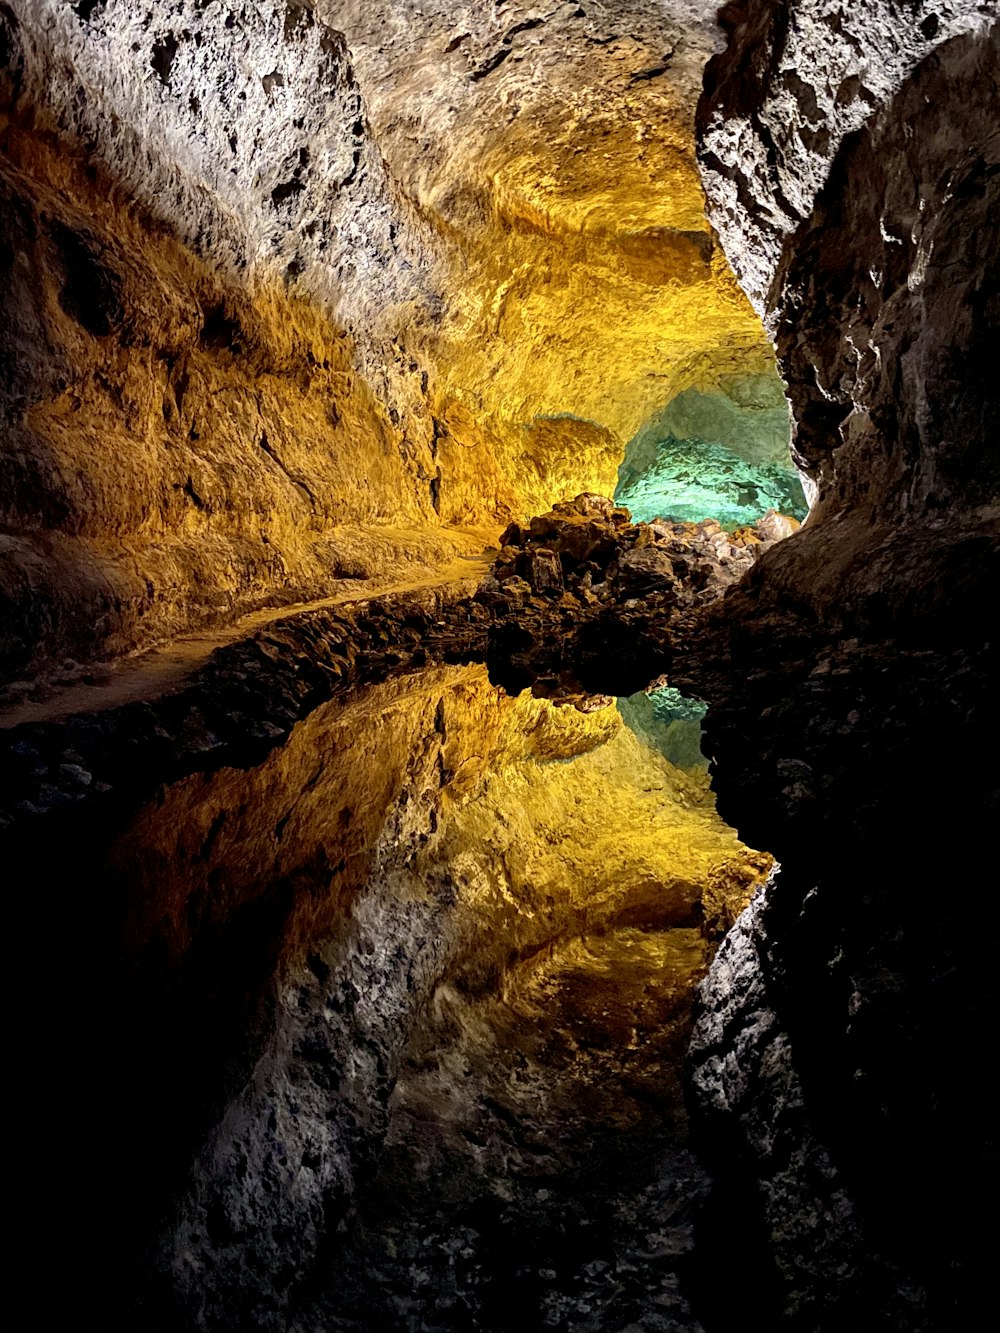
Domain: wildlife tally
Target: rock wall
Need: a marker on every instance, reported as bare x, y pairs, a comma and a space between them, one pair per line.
850, 157
854, 193
300, 293
554, 145
198, 420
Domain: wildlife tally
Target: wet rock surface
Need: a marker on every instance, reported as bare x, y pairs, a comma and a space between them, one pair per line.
848, 170
236, 708
840, 1017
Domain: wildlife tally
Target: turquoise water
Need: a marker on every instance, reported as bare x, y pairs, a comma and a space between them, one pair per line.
669, 722
694, 479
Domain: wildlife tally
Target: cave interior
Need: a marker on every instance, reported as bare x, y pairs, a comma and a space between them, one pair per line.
498, 717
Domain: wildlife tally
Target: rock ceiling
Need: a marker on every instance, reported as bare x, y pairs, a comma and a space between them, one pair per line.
287, 279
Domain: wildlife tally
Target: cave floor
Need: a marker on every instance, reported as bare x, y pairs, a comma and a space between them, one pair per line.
537, 1173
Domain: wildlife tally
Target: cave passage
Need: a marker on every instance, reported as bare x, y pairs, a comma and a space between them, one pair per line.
403, 411
721, 452
444, 942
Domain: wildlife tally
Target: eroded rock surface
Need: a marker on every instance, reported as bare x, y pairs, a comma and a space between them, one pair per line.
854, 184
296, 291
851, 176
271, 327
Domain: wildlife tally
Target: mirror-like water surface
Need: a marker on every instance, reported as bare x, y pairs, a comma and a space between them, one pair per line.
444, 1075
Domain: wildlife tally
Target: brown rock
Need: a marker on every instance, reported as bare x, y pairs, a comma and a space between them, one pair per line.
644, 571
775, 527
543, 569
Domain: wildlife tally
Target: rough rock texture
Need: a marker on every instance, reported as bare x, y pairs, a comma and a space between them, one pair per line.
688, 479
747, 414
854, 183
877, 998
795, 80
295, 290
850, 156
582, 597
252, 255
197, 418
668, 722
553, 143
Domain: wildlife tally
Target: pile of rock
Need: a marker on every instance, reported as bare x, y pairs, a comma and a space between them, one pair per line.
583, 598
589, 550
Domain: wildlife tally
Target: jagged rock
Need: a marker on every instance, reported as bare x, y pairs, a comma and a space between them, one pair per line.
622, 585
728, 892
774, 527
543, 569
852, 178
855, 200
645, 571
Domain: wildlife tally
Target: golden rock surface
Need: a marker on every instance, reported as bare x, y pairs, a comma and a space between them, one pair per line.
326, 295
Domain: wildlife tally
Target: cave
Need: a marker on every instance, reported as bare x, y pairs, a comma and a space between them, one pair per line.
497, 675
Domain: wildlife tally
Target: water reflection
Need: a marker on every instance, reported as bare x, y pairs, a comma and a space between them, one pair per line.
669, 722
423, 875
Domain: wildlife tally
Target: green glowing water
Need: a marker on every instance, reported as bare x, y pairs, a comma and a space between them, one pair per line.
669, 722
693, 479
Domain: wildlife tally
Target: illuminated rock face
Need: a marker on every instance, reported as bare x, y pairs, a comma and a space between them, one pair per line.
855, 202
555, 149
693, 479
721, 454
310, 292
669, 723
306, 293
197, 420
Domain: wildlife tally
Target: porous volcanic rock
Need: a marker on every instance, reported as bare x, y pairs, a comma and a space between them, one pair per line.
856, 196
309, 292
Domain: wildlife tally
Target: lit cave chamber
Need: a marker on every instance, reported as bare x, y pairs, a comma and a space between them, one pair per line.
498, 574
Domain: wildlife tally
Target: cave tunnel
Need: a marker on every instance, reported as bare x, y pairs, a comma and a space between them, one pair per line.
498, 662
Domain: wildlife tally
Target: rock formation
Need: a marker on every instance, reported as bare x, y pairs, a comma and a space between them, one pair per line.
357, 928
580, 598
853, 193
302, 293
854, 183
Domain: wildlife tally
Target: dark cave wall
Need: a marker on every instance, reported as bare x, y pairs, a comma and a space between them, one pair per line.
888, 296
842, 1018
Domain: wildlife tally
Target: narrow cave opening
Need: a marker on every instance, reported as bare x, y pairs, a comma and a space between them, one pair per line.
719, 452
